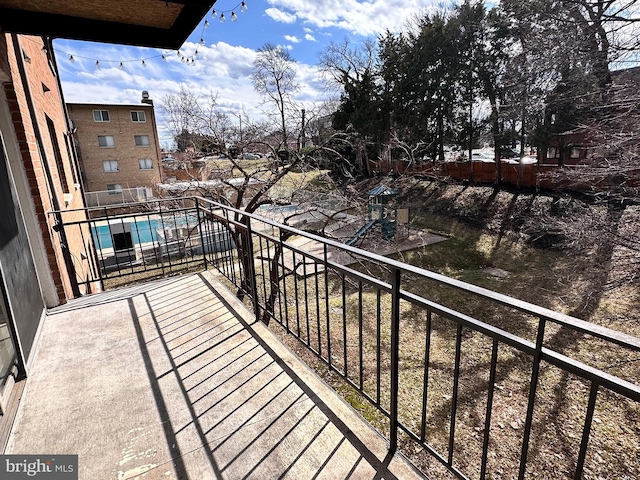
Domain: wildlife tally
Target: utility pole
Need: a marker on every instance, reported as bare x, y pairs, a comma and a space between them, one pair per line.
302, 134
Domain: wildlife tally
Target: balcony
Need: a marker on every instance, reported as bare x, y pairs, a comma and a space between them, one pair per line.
174, 379
117, 196
194, 375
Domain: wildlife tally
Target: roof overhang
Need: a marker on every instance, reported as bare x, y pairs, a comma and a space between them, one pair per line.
147, 23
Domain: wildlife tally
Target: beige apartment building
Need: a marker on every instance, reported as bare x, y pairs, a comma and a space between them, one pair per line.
118, 150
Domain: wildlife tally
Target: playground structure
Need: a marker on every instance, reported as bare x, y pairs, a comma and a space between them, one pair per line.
383, 212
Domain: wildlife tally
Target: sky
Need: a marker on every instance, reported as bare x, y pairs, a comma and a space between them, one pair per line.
224, 59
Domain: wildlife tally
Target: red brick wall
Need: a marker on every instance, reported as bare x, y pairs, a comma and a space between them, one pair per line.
47, 100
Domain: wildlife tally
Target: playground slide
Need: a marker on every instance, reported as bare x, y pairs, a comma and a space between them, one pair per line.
360, 232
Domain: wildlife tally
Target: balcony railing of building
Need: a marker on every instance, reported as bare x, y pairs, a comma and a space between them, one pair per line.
439, 366
118, 196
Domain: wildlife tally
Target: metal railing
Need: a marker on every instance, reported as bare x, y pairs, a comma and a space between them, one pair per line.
100, 198
432, 355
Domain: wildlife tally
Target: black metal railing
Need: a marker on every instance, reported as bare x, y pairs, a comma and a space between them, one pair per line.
436, 359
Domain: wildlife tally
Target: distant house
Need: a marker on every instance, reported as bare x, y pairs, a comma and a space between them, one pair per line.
119, 150
622, 125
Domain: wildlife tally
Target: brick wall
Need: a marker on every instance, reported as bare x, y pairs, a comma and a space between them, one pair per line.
125, 152
52, 124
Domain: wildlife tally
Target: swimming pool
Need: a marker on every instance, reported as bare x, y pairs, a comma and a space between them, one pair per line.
142, 231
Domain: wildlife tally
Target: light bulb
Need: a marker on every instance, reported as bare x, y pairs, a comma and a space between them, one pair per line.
71, 59
121, 66
164, 59
97, 63
222, 18
214, 14
234, 17
202, 42
206, 24
243, 7
144, 64
196, 53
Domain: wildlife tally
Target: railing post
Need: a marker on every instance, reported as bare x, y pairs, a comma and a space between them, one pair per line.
248, 247
201, 227
535, 370
395, 360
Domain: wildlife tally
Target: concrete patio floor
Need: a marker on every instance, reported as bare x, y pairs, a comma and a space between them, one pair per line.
174, 379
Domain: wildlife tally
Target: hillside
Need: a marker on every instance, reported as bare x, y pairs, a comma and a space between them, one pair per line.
558, 251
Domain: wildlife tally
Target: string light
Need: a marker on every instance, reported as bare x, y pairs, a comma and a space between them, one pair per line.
189, 60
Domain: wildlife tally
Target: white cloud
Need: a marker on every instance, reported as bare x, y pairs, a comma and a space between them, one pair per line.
280, 16
310, 37
220, 68
292, 39
307, 30
358, 17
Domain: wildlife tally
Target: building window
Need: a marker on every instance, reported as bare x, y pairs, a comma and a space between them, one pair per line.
575, 152
138, 116
106, 141
145, 164
552, 152
114, 189
57, 155
71, 158
142, 140
110, 166
101, 115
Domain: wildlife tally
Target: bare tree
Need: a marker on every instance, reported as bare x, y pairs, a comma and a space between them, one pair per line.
274, 77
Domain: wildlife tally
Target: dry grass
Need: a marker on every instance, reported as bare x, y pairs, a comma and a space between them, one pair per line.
614, 447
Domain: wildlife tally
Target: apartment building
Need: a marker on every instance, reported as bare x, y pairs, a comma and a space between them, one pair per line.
118, 149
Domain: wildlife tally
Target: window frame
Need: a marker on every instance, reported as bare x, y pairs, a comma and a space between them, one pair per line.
147, 161
575, 152
116, 190
111, 164
138, 112
101, 114
135, 140
553, 150
113, 140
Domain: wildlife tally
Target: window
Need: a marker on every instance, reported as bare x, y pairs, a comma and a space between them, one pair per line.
110, 166
57, 155
106, 141
145, 164
142, 140
552, 152
575, 152
138, 116
114, 189
74, 165
101, 115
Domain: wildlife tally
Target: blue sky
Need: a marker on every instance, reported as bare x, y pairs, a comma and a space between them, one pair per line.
223, 64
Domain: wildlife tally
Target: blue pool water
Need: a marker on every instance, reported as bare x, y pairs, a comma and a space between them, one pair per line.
142, 231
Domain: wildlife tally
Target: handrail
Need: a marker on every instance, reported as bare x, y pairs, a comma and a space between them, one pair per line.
255, 264
582, 326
